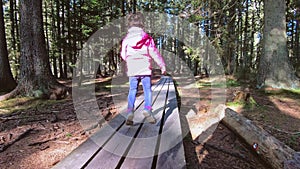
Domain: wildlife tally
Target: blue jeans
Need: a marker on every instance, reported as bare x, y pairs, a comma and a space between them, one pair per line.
133, 86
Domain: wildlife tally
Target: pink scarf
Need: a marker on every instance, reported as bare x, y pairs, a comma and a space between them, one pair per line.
145, 41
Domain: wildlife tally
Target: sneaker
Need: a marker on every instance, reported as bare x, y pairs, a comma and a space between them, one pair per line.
129, 118
149, 117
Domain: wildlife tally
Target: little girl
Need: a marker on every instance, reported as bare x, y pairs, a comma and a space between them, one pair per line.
138, 50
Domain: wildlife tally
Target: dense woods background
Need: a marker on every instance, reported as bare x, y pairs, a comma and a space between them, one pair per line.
257, 41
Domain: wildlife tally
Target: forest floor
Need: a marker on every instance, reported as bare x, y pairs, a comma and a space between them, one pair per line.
37, 134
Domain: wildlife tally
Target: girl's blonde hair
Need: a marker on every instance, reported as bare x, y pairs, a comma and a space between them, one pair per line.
136, 20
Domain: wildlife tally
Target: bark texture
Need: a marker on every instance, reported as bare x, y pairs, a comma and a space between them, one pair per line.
36, 78
275, 69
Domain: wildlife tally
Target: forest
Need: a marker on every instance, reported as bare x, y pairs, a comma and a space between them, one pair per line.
45, 44
236, 29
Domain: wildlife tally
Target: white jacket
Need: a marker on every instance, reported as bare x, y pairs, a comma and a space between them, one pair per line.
138, 50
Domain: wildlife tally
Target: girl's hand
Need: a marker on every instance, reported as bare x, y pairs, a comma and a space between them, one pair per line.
163, 71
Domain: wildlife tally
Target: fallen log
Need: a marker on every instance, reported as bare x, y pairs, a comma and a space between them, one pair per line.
272, 151
293, 163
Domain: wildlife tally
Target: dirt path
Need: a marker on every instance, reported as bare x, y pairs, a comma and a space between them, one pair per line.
41, 136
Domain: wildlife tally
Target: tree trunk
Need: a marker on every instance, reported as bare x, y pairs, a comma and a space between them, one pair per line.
36, 78
13, 40
297, 38
133, 6
13, 29
7, 82
69, 42
252, 37
229, 51
239, 34
275, 70
47, 27
59, 36
123, 8
245, 68
54, 37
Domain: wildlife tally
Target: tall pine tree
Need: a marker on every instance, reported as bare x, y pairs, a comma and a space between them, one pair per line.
36, 78
275, 69
7, 82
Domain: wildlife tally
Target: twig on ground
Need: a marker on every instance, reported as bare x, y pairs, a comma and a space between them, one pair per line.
58, 136
22, 135
279, 130
41, 142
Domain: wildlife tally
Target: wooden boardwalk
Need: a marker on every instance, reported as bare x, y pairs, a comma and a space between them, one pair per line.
140, 146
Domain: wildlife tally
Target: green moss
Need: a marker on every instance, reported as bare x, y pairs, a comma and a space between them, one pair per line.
283, 93
232, 83
235, 104
24, 103
250, 105
295, 91
69, 135
201, 85
228, 83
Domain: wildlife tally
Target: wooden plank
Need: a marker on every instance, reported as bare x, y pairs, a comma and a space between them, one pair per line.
112, 152
79, 157
142, 151
171, 150
174, 158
